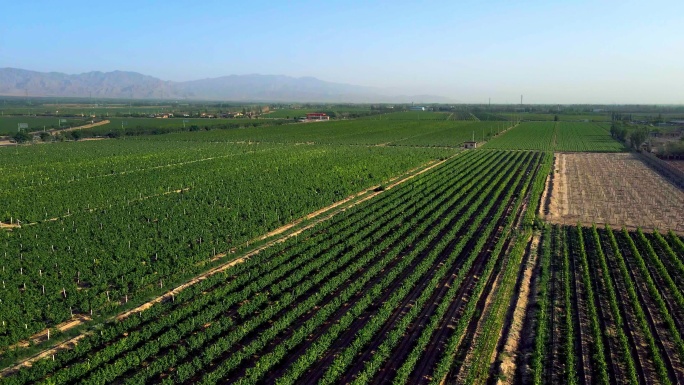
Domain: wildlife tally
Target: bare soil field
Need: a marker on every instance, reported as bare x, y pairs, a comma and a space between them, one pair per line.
616, 189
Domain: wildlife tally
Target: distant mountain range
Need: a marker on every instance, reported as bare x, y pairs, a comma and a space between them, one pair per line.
133, 85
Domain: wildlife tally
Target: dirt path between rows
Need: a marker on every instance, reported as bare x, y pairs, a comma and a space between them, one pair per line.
347, 203
316, 217
102, 123
90, 210
508, 356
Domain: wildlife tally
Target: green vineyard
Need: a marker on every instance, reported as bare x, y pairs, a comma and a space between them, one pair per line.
366, 251
440, 230
629, 287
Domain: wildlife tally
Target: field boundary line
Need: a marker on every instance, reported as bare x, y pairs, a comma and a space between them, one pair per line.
83, 127
90, 210
282, 234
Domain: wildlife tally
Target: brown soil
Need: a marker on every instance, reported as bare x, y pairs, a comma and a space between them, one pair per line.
615, 189
509, 354
77, 320
102, 123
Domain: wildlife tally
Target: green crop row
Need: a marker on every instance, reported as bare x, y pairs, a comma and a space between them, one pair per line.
557, 136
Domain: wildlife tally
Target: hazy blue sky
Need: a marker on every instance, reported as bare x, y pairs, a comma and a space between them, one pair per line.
552, 52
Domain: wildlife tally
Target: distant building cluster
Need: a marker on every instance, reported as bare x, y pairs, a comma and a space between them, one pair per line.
317, 116
161, 116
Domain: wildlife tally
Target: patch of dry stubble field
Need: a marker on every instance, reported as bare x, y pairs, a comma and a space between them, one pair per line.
616, 189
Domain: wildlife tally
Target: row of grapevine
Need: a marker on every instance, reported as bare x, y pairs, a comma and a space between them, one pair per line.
485, 338
93, 260
261, 260
93, 182
526, 136
633, 322
284, 313
470, 263
557, 136
348, 326
362, 132
585, 137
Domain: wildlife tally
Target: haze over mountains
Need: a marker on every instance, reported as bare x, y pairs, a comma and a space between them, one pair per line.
133, 85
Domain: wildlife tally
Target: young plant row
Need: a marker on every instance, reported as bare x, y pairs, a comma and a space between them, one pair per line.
543, 315
626, 325
608, 286
445, 363
346, 357
321, 344
598, 356
654, 292
638, 307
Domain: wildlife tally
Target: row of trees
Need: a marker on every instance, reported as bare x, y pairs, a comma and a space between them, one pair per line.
25, 137
636, 135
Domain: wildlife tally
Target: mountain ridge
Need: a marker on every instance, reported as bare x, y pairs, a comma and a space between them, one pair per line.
252, 87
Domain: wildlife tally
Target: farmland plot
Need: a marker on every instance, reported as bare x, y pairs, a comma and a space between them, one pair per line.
106, 223
557, 136
391, 290
616, 189
609, 310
